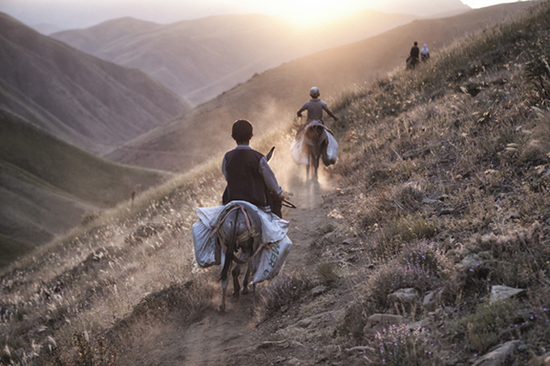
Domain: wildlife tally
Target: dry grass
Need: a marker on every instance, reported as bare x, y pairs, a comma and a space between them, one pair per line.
446, 179
456, 153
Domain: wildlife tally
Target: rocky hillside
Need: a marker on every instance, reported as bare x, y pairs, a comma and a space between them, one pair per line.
48, 186
90, 103
199, 59
272, 98
426, 245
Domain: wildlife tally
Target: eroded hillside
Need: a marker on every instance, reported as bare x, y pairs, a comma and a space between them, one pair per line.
49, 186
90, 103
270, 99
440, 196
199, 59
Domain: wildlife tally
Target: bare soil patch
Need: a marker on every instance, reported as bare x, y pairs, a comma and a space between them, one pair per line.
243, 335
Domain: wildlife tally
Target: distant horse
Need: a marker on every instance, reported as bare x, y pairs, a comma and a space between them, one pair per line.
315, 144
238, 229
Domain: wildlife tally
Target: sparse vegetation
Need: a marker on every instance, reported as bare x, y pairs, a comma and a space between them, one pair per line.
285, 289
399, 343
327, 272
444, 190
486, 326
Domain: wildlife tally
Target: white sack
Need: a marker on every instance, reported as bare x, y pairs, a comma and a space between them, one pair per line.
299, 155
273, 229
332, 150
205, 246
270, 261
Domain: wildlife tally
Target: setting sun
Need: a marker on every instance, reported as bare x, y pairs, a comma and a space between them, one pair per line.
307, 13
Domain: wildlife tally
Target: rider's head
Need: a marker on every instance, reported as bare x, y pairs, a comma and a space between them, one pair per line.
242, 131
314, 92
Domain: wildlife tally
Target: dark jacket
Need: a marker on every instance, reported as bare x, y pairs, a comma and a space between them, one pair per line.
244, 181
415, 52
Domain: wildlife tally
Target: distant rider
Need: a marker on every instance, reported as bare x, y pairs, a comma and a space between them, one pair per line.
424, 54
414, 55
249, 177
314, 108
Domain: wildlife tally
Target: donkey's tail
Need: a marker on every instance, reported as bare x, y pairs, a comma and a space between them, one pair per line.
232, 239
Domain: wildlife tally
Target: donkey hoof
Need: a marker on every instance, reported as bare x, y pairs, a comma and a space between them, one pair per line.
236, 295
221, 308
245, 291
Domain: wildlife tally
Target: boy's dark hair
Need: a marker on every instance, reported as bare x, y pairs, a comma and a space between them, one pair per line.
416, 43
242, 130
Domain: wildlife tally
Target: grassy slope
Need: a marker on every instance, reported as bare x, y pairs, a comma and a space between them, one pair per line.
12, 249
441, 189
91, 103
201, 58
270, 100
92, 39
48, 184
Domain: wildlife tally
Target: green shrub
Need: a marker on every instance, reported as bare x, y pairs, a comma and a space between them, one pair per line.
395, 276
411, 227
519, 255
399, 345
327, 272
427, 257
285, 289
484, 326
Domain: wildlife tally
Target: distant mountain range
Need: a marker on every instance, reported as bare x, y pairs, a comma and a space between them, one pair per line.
424, 8
56, 101
272, 98
199, 59
91, 103
47, 185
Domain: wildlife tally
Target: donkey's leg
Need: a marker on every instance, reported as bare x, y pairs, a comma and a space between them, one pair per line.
315, 166
310, 164
244, 258
236, 287
246, 280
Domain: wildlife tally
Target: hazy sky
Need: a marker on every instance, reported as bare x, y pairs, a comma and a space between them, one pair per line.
84, 13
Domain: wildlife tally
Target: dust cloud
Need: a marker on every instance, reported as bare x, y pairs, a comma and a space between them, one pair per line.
302, 192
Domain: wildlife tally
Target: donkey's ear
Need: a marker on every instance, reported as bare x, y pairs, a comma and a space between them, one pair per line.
270, 153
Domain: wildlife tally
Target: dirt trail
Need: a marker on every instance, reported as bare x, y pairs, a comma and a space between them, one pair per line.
308, 217
217, 337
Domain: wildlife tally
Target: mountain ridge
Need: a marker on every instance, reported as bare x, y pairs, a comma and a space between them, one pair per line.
91, 103
260, 99
201, 58
47, 185
426, 244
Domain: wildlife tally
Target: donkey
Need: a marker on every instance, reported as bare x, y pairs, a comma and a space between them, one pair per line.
238, 229
315, 143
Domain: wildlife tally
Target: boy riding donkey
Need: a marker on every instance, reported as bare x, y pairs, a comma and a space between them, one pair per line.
314, 108
312, 140
247, 229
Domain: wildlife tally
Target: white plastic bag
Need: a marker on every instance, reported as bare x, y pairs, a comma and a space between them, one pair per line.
205, 246
270, 261
273, 230
299, 155
331, 155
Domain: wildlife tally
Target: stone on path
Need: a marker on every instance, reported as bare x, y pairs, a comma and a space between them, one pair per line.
500, 356
404, 296
378, 322
503, 292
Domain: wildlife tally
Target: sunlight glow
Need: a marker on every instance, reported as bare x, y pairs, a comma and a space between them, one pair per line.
308, 13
